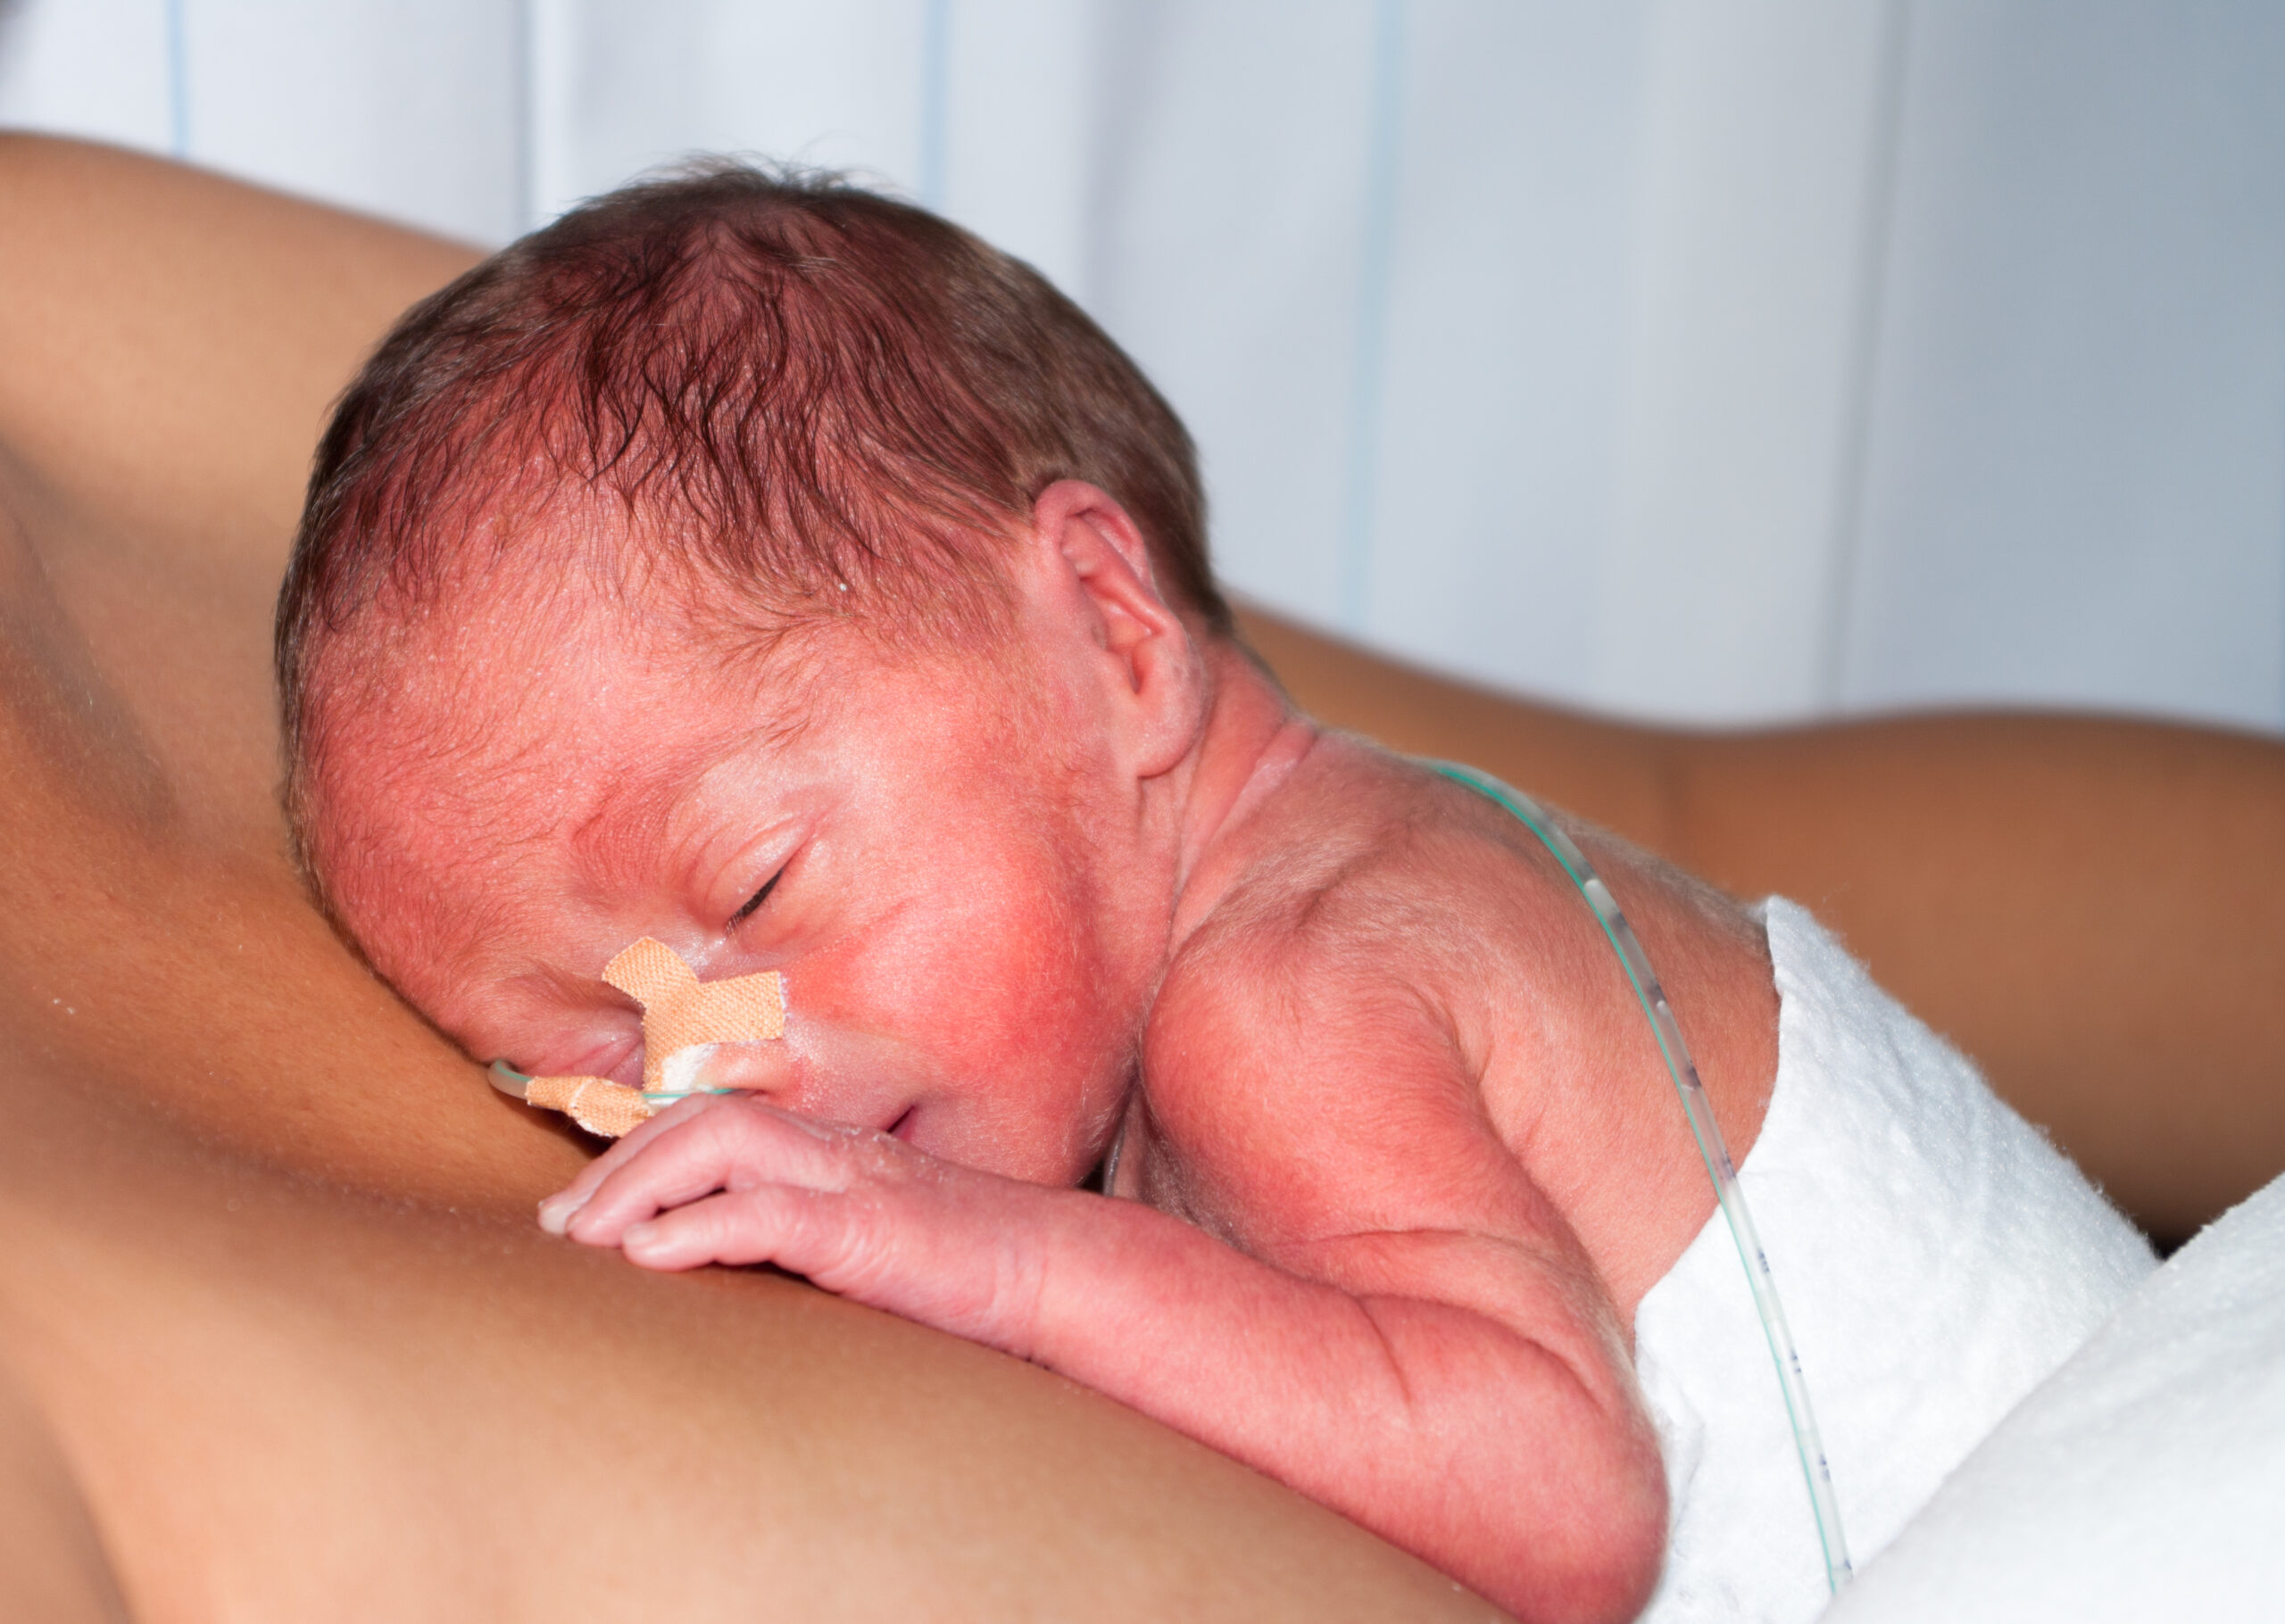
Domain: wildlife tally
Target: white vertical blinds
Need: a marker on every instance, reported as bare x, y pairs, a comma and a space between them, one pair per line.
1722, 361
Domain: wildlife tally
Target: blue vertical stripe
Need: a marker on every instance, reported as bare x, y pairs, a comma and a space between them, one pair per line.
1845, 543
177, 83
1370, 355
936, 69
527, 93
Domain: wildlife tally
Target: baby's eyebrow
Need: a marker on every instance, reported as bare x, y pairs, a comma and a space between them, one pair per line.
619, 839
632, 837
628, 835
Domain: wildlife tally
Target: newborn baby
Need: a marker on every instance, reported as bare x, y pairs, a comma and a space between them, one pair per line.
774, 570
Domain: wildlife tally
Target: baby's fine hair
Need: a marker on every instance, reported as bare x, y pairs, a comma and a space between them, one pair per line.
787, 385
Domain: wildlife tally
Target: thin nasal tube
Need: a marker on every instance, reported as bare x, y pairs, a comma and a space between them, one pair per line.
1815, 1470
512, 1082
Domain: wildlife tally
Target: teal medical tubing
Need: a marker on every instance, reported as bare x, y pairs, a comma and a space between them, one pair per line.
512, 1082
1700, 1110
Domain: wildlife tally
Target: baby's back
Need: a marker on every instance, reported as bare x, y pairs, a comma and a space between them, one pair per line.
1936, 1257
1368, 881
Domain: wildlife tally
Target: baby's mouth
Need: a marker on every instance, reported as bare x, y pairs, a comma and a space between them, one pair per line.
899, 1129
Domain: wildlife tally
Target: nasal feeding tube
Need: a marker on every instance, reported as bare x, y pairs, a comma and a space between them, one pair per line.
1823, 1504
516, 1085
684, 1021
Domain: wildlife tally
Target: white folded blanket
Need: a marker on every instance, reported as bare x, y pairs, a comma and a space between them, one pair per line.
1938, 1259
2145, 1479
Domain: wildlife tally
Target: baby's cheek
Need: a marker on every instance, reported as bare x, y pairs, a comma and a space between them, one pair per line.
1042, 1031
1004, 963
1013, 995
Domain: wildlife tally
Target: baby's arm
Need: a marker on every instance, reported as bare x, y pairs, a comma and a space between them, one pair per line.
1416, 1339
1472, 1397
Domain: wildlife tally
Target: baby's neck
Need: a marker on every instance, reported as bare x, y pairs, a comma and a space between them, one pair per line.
1252, 739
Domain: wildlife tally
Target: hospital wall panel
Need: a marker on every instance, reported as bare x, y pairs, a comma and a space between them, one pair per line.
407, 108
101, 70
1767, 136
1228, 253
1707, 360
1477, 476
412, 109
1029, 95
635, 85
2076, 489
105, 70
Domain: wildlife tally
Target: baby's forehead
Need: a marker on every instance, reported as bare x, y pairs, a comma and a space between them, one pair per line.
506, 704
535, 707
581, 645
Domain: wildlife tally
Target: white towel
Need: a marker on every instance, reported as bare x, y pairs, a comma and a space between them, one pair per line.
1937, 1258
2145, 1479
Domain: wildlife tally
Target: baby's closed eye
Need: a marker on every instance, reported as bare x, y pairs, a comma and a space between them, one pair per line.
753, 903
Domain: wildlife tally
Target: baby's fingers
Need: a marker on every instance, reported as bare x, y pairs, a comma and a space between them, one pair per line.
737, 1144
802, 1232
557, 1209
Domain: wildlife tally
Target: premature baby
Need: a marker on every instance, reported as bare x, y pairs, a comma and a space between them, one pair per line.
772, 569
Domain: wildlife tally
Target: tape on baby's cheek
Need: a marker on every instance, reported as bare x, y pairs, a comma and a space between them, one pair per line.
596, 1104
683, 1019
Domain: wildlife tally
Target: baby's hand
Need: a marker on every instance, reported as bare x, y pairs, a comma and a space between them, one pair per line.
727, 1178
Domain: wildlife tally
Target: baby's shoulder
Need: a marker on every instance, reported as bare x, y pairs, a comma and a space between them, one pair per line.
1362, 857
1319, 1041
1338, 867
1397, 982
1357, 912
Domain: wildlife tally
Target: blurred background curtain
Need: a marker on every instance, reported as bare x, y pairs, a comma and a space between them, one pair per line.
1714, 360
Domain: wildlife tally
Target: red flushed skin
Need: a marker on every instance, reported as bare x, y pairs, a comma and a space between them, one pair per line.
1400, 1156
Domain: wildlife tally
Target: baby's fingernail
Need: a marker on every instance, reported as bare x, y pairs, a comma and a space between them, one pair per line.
556, 1212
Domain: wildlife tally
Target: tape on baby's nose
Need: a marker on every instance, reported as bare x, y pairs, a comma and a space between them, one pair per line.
680, 1012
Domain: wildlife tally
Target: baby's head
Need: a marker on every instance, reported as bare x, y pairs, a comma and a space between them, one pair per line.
771, 568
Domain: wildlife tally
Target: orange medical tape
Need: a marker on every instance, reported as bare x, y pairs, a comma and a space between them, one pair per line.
679, 1012
596, 1104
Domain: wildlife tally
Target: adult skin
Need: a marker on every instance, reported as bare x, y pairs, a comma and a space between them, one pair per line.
273, 1288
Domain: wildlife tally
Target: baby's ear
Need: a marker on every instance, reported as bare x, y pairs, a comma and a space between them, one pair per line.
1096, 567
